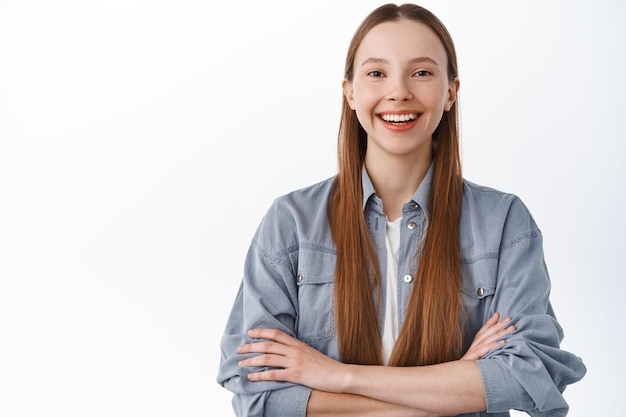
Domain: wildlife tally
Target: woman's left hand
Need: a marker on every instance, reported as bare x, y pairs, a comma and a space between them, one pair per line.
489, 337
295, 361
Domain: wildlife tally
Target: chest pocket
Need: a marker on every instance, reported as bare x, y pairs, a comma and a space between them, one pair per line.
479, 279
316, 316
478, 286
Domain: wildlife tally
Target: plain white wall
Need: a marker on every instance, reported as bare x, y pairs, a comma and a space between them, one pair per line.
142, 141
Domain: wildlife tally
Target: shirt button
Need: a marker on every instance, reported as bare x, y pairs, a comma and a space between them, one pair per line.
299, 278
411, 225
413, 205
480, 292
408, 279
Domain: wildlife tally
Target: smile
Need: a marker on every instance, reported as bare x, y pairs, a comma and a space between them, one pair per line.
398, 118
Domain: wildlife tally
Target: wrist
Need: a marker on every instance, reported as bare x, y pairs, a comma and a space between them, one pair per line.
348, 378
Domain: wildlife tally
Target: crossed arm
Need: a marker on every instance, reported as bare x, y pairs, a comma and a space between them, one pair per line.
342, 390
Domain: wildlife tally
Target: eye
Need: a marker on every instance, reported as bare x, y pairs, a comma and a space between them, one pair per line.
375, 73
422, 73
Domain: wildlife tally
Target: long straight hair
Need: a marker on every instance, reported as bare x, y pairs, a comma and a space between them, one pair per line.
431, 332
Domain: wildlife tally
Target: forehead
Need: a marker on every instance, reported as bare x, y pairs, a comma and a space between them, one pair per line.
402, 39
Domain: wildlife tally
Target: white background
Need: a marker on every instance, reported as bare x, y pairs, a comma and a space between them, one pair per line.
142, 141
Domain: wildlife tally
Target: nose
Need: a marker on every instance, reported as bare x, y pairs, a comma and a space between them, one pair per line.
399, 90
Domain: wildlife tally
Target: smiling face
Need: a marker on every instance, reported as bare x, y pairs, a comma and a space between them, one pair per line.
400, 89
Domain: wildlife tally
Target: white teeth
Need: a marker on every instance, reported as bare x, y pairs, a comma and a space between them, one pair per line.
398, 118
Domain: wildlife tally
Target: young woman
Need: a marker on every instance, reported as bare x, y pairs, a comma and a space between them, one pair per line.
379, 291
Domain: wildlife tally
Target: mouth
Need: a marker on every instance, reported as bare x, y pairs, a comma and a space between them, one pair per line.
398, 119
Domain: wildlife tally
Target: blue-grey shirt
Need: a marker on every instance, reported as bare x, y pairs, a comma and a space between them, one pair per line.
288, 284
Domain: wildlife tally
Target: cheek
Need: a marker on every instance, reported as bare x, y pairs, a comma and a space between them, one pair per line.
438, 99
363, 117
362, 104
365, 95
438, 105
436, 96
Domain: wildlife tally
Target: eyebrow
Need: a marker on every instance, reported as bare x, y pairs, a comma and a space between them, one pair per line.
412, 61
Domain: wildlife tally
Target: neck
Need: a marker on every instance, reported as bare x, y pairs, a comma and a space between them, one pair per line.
396, 179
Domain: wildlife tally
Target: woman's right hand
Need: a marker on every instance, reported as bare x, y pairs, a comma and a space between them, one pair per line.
488, 337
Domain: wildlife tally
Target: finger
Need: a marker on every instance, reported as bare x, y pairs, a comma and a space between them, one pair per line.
500, 331
489, 342
274, 361
490, 322
479, 351
492, 334
506, 331
497, 328
495, 317
502, 323
483, 350
272, 334
269, 375
489, 331
263, 347
492, 325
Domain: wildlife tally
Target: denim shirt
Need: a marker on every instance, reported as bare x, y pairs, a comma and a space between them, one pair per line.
288, 285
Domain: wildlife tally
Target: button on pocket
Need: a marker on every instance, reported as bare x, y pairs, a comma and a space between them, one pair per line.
315, 322
479, 278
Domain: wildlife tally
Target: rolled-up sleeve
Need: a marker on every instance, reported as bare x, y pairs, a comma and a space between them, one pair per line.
267, 298
530, 372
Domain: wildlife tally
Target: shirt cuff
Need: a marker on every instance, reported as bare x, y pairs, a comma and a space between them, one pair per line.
288, 402
501, 393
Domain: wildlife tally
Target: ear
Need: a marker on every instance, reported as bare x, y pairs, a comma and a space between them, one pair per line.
453, 91
348, 92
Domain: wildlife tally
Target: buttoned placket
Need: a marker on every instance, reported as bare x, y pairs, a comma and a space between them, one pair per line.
411, 235
411, 231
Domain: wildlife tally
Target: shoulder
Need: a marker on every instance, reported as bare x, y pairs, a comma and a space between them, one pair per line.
475, 194
296, 217
488, 201
303, 203
491, 215
304, 196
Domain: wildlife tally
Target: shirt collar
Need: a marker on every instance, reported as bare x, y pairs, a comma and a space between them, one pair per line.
368, 187
422, 195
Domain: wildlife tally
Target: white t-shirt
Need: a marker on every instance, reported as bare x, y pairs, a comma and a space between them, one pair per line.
390, 328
